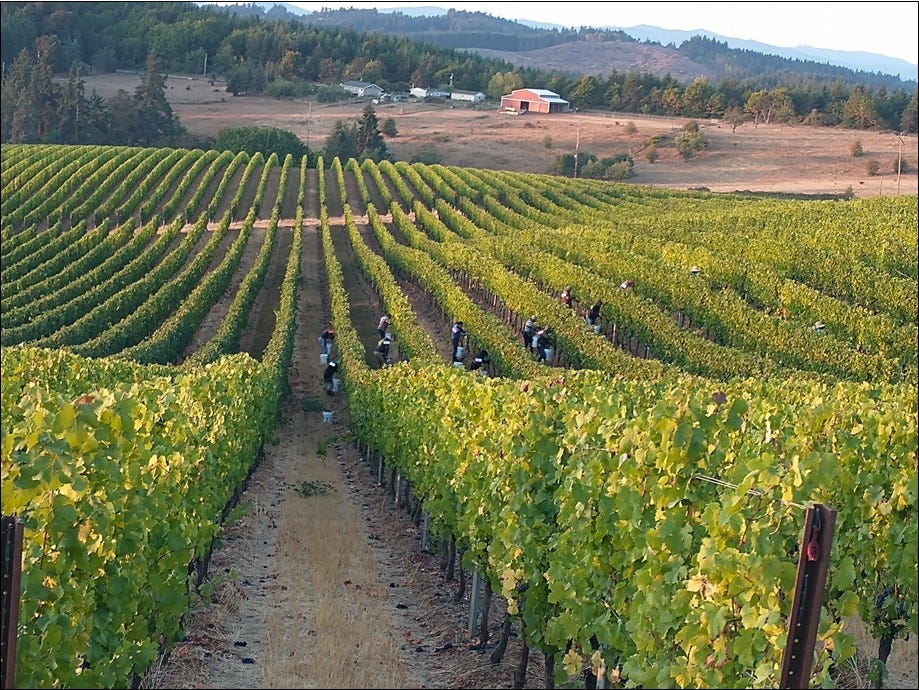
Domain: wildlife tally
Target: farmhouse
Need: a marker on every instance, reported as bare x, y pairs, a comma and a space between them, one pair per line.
394, 97
420, 92
535, 101
471, 96
362, 89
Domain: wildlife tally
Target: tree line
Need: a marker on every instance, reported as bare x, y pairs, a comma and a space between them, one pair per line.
38, 109
257, 55
473, 30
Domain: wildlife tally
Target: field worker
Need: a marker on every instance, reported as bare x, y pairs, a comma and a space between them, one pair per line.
529, 332
480, 362
326, 340
328, 375
457, 333
593, 314
382, 352
567, 297
383, 326
543, 343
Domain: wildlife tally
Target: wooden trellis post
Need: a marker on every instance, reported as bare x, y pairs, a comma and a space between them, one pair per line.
12, 572
813, 562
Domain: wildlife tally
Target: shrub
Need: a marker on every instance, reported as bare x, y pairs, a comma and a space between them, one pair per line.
427, 155
652, 153
618, 167
331, 94
813, 118
622, 170
547, 141
564, 164
691, 127
389, 127
267, 140
688, 143
857, 149
872, 167
285, 89
631, 128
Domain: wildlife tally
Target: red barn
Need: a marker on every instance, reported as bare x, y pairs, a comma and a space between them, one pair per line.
535, 101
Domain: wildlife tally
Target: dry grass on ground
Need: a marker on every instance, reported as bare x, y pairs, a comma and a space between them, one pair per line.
776, 158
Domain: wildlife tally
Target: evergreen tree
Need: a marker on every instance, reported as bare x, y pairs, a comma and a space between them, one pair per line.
95, 120
155, 120
43, 92
909, 119
12, 97
859, 111
369, 140
70, 109
342, 142
29, 97
123, 124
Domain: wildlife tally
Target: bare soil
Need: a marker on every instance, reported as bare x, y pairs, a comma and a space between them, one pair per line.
321, 580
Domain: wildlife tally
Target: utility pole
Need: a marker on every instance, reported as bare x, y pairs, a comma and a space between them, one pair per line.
205, 64
899, 160
577, 150
309, 118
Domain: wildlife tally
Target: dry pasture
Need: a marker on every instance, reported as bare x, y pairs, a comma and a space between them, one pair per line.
793, 159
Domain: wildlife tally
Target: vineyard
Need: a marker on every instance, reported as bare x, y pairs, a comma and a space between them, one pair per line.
637, 499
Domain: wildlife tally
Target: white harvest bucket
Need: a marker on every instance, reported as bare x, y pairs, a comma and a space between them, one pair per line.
327, 416
336, 384
534, 341
550, 352
323, 358
597, 328
460, 351
458, 365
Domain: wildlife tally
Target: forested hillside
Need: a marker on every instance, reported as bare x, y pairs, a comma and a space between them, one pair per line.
464, 30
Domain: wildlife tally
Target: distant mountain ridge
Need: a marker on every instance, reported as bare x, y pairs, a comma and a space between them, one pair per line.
854, 60
524, 43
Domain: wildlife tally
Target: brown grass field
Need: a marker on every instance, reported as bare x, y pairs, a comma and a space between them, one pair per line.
792, 159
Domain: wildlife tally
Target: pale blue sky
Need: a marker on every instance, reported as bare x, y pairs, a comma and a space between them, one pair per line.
885, 28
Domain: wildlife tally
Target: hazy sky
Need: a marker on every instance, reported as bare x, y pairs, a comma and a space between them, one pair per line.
886, 28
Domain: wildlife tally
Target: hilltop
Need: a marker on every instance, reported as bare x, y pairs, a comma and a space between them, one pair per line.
684, 55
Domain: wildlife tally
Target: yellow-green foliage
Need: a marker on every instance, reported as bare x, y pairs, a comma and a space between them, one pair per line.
119, 473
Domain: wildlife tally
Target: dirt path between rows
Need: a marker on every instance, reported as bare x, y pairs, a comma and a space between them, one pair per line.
321, 582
